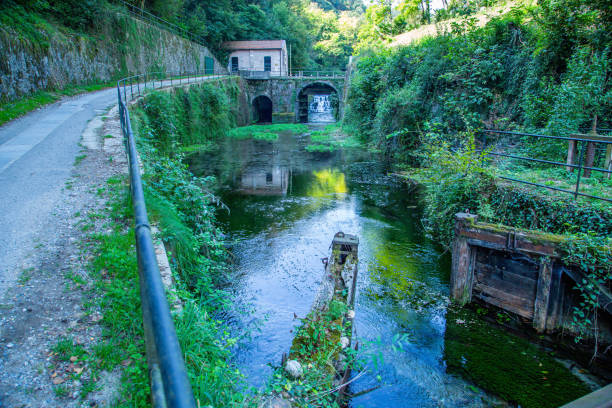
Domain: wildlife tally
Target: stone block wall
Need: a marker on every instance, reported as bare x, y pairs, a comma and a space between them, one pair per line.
127, 46
283, 92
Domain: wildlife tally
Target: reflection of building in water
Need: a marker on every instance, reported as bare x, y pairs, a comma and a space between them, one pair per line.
265, 180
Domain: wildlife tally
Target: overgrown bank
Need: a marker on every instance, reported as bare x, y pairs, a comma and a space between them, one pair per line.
184, 208
425, 105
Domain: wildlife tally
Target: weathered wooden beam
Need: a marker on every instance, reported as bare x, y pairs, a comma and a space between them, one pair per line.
555, 300
540, 307
507, 301
512, 282
463, 261
503, 238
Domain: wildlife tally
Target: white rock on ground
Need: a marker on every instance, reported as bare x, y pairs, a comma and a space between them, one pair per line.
344, 342
294, 369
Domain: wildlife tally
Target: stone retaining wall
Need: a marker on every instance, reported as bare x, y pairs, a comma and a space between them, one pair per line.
125, 47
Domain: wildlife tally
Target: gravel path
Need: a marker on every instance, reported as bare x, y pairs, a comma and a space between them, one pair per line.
48, 184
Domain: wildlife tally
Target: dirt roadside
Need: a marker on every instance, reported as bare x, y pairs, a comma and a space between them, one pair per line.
49, 301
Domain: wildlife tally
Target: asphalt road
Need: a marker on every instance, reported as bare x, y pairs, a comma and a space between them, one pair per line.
37, 154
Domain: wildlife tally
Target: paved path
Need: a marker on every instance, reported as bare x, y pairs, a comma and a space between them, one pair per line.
37, 153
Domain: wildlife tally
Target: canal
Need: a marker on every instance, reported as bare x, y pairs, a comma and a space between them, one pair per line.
285, 204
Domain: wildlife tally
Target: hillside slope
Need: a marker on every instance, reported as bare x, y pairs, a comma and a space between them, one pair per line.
42, 55
430, 30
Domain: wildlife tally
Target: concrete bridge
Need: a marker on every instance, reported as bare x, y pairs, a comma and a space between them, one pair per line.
285, 99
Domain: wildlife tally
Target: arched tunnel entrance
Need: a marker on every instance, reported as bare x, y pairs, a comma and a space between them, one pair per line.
318, 102
262, 109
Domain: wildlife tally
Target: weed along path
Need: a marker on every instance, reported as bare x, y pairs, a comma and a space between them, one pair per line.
286, 202
52, 197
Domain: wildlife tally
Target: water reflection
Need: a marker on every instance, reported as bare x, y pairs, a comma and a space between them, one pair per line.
271, 180
280, 238
325, 182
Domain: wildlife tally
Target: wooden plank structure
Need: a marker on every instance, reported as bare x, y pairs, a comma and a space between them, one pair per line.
338, 285
515, 270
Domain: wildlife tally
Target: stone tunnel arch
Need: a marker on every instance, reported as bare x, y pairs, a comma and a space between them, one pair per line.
262, 109
305, 98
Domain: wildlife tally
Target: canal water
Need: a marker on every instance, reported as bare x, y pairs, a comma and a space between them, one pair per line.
285, 206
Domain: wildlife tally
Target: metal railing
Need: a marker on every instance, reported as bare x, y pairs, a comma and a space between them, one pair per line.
136, 85
170, 387
583, 140
258, 74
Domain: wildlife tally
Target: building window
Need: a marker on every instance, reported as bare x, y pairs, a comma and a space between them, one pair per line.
234, 64
268, 64
268, 178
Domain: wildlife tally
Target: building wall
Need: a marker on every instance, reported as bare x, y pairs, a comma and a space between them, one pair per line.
253, 60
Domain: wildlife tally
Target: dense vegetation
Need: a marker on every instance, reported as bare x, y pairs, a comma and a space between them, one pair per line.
321, 33
542, 69
184, 209
522, 70
425, 103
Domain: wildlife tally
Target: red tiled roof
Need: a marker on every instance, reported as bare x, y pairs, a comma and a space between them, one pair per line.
254, 45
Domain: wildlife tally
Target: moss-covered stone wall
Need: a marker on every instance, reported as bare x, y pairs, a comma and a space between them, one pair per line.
55, 58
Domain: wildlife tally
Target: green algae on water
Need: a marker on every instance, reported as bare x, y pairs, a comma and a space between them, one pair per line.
506, 365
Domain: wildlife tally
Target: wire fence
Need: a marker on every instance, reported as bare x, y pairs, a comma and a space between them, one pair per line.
170, 385
585, 144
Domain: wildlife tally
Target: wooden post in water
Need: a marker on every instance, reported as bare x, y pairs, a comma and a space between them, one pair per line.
462, 265
540, 308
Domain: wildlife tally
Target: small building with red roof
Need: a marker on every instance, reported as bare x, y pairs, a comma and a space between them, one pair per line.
265, 56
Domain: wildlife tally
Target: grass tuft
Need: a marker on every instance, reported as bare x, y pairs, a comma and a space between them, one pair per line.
266, 132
